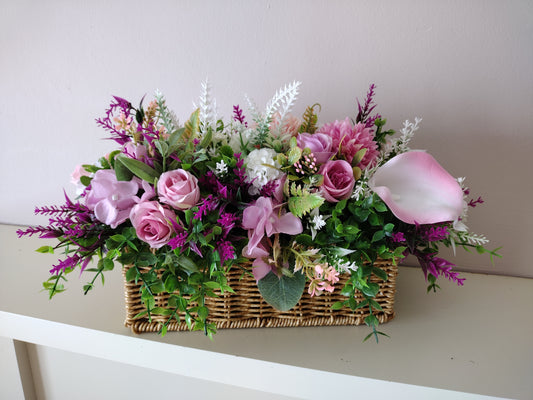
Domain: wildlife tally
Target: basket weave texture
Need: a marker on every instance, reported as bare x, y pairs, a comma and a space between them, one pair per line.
246, 308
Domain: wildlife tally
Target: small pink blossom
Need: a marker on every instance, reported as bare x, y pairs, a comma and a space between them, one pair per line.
179, 189
338, 180
348, 140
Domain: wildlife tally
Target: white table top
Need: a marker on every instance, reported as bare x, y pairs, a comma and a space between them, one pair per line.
473, 339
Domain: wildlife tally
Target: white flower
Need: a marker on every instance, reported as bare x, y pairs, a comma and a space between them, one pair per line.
345, 266
239, 138
221, 168
318, 222
261, 168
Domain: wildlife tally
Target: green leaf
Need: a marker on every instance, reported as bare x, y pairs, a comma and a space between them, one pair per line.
131, 274
157, 287
145, 259
304, 239
371, 290
371, 320
187, 264
138, 168
118, 238
108, 264
283, 292
203, 312
380, 206
378, 236
122, 172
85, 180
380, 273
171, 283
45, 249
337, 305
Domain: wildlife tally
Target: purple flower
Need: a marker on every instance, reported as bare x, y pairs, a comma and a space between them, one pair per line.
110, 199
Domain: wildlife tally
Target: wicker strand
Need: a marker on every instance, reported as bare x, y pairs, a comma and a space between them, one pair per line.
246, 308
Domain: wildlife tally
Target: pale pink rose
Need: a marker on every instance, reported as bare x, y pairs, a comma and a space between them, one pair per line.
110, 199
178, 189
153, 223
320, 145
338, 180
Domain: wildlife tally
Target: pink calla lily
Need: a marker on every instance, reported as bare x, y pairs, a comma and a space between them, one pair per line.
417, 189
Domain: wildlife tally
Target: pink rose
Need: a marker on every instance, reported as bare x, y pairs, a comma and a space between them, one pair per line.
179, 189
319, 143
338, 180
110, 199
153, 223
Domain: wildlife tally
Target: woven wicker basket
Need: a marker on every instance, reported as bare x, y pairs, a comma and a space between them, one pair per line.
246, 308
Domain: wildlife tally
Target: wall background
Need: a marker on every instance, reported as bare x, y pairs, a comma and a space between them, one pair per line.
464, 66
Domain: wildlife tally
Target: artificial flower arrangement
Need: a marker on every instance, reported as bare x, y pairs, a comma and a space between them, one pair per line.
302, 203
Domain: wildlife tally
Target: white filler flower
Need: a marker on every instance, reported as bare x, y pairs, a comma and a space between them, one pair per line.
261, 168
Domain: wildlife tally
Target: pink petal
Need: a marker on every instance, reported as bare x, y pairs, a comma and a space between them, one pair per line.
289, 224
417, 189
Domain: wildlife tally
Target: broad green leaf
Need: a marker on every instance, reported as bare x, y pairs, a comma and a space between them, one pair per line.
138, 168
121, 171
171, 283
131, 274
187, 264
371, 289
283, 292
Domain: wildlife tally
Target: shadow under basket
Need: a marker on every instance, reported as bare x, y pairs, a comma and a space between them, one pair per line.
246, 308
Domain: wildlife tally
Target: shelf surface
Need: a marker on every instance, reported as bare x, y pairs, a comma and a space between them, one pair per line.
473, 339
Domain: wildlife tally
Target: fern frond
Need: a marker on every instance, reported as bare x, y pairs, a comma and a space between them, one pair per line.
192, 126
310, 119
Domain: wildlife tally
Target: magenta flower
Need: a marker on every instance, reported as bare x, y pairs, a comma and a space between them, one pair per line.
417, 189
348, 140
153, 223
264, 218
111, 200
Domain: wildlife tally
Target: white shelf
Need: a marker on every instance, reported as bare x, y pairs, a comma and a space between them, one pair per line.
458, 343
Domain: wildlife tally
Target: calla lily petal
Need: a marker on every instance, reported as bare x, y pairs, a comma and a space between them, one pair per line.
417, 189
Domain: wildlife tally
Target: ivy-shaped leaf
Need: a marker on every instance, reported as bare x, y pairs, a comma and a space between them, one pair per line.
283, 292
